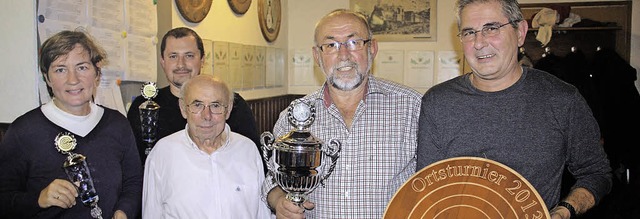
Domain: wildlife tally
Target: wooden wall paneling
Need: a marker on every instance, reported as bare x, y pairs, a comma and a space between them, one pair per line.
267, 110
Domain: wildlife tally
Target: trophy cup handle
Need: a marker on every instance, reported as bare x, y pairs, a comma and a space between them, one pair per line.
332, 150
266, 139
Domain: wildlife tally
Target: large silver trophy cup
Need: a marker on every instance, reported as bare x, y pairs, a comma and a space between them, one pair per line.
298, 160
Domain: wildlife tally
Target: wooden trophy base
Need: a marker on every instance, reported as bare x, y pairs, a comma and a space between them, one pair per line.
467, 187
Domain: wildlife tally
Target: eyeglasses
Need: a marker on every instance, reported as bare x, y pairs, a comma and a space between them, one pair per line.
214, 108
351, 45
488, 30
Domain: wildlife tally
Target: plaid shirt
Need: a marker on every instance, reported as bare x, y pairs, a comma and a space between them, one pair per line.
377, 156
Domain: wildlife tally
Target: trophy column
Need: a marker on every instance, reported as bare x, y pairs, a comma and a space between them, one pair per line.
149, 111
78, 173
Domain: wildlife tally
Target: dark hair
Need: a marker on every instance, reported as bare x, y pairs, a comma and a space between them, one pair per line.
510, 9
62, 43
178, 33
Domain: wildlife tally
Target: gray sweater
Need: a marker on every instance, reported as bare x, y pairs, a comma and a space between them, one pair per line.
538, 126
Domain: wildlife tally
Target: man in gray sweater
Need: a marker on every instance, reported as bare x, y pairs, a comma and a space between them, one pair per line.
524, 118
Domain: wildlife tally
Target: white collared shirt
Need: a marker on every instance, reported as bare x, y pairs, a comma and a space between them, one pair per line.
182, 181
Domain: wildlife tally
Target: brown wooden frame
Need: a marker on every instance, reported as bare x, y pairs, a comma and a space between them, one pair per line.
269, 17
239, 6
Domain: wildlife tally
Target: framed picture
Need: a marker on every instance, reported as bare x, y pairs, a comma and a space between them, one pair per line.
399, 20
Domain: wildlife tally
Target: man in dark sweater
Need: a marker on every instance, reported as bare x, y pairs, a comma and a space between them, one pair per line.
524, 118
182, 56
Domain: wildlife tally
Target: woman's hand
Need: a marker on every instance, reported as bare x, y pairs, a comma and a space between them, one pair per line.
119, 215
59, 192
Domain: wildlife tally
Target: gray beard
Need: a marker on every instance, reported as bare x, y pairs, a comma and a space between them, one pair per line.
346, 86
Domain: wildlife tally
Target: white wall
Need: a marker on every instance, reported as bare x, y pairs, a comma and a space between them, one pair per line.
18, 91
307, 12
222, 24
18, 87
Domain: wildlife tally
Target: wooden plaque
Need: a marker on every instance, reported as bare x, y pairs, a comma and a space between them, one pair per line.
194, 10
269, 16
467, 187
239, 6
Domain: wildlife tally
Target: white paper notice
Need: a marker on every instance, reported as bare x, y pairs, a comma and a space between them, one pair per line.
280, 65
221, 61
71, 11
389, 65
114, 45
52, 27
235, 65
270, 67
108, 92
302, 67
248, 56
125, 29
419, 69
207, 66
141, 27
259, 66
142, 18
450, 65
141, 55
107, 14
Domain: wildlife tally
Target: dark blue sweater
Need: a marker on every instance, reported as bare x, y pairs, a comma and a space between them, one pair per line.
29, 162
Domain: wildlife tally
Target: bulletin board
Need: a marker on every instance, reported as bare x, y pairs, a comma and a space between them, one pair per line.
126, 29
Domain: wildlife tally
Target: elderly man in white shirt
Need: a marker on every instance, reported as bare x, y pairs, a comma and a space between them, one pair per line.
205, 170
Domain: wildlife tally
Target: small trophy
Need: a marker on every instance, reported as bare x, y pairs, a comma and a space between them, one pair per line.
298, 160
78, 173
149, 111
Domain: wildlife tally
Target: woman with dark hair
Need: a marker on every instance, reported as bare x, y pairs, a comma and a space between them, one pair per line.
36, 146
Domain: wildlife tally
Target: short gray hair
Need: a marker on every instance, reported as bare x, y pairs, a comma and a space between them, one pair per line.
510, 9
212, 81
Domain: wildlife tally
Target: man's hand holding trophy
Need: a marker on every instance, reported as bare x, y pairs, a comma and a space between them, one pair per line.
298, 160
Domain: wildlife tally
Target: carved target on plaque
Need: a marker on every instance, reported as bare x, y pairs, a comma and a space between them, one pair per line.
194, 10
467, 187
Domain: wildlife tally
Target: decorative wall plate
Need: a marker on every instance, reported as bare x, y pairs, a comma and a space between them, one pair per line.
239, 6
269, 16
466, 187
194, 10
